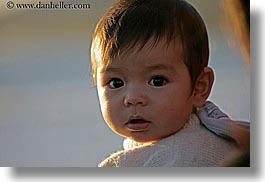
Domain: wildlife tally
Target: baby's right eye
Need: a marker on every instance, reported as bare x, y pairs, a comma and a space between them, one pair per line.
115, 83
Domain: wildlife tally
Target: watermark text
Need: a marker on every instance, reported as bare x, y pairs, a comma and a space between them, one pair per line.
61, 5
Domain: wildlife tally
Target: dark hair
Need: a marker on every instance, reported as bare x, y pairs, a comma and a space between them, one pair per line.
130, 23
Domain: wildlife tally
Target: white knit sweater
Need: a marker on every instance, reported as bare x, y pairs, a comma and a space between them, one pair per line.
193, 146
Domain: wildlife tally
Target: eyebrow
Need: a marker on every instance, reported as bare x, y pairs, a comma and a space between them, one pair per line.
148, 68
112, 69
161, 67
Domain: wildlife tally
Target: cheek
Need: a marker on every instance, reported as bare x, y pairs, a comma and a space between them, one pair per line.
104, 101
109, 106
177, 105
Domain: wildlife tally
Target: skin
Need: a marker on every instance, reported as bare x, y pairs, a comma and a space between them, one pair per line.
146, 95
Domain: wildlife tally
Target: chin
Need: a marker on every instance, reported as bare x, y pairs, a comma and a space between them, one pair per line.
145, 140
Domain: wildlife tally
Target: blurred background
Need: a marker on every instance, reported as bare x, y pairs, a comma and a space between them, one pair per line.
49, 111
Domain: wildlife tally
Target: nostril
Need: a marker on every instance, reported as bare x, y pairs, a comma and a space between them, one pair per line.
135, 101
130, 101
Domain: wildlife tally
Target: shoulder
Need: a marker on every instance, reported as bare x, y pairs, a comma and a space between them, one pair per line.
151, 155
113, 160
134, 157
194, 146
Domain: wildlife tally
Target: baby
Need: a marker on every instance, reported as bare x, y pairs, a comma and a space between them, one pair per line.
150, 66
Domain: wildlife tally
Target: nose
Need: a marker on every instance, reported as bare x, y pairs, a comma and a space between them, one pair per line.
135, 97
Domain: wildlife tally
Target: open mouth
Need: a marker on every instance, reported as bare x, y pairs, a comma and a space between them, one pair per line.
138, 124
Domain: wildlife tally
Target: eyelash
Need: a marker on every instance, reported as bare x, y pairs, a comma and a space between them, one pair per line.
111, 83
113, 86
165, 81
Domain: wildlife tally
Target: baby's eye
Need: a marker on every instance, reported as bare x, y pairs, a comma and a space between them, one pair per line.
158, 81
115, 83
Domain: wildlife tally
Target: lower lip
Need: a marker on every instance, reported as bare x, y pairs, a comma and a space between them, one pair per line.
138, 126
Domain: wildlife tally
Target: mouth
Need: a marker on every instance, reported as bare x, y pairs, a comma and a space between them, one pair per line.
137, 124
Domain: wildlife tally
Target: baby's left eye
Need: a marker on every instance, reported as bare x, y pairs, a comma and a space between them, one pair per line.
158, 81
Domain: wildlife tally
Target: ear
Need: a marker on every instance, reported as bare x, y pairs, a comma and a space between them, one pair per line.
203, 87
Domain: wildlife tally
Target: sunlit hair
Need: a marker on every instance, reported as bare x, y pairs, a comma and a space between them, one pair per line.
237, 23
132, 23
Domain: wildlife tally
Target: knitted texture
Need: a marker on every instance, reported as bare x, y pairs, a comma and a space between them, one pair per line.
193, 146
219, 123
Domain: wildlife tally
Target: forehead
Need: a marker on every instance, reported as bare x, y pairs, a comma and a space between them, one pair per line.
160, 52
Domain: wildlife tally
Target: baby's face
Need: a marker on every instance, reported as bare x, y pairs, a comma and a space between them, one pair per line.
146, 95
